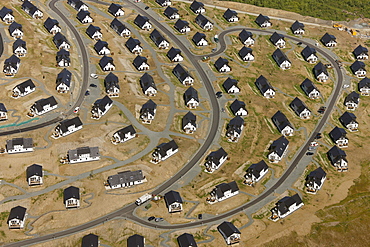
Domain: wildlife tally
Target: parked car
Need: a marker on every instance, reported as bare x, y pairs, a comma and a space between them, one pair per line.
159, 219
87, 93
219, 94
151, 218
318, 136
93, 85
146, 7
94, 76
77, 109
322, 109
309, 153
200, 216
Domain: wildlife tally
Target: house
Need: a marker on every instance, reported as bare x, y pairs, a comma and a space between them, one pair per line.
141, 63
84, 17
143, 22
63, 81
52, 26
286, 206
215, 159
67, 127
116, 10
126, 179
19, 48
339, 137
90, 240
120, 28
123, 135
320, 72
63, 59
94, 32
32, 10
352, 100
11, 65
23, 89
348, 119
300, 108
183, 75
278, 149
255, 173
175, 55
101, 107
338, 159
133, 46
78, 5
19, 145
310, 89
309, 54
364, 87
203, 22
246, 38
17, 217
246, 54
231, 86
15, 30
263, 21
265, 87
6, 15
282, 123
199, 39
186, 240
111, 84
159, 40
164, 151
197, 7
238, 108
173, 201
83, 154
43, 106
315, 180
358, 69
191, 98
281, 59
61, 41
329, 40
147, 85
163, 3
147, 112
231, 15
234, 129
229, 232
71, 197
189, 123
277, 40
222, 65
182, 26
171, 13
297, 28
101, 47
223, 191
361, 53
106, 63
34, 175
136, 241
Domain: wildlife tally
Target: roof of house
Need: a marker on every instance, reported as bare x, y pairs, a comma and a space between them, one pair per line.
224, 187
113, 8
12, 61
279, 145
337, 133
347, 118
169, 11
229, 83
320, 68
27, 83
102, 103
236, 105
298, 105
39, 104
105, 60
76, 153
352, 97
162, 1
262, 19
281, 121
19, 43
139, 60
131, 43
50, 23
4, 11
256, 168
284, 203
90, 240
245, 51
111, 80
191, 93
33, 170
164, 147
91, 30
229, 14
316, 176
63, 55
100, 45
180, 70
186, 240
12, 27
215, 156
280, 56
64, 77
308, 86
71, 192
76, 121
180, 24
335, 154
198, 37
135, 241
25, 142
189, 118
149, 106
297, 25
147, 81
220, 62
360, 50
140, 20
308, 51
364, 83
195, 5
357, 65
17, 212
79, 4
157, 37
128, 129
125, 177
244, 35
118, 25
235, 125
173, 52
227, 229
30, 6
328, 38
59, 38
82, 14
202, 20
171, 197
263, 84
275, 37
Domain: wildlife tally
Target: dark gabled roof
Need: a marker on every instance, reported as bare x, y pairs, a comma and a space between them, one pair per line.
100, 45
91, 30
191, 93
308, 51
50, 23
90, 240
69, 122
131, 43
71, 192
140, 20
284, 203
135, 241
186, 240
316, 176
335, 154
180, 24
149, 106
113, 8
19, 43
202, 20
164, 147
2, 108
64, 77
263, 84
357, 65
171, 197
352, 97
125, 130
337, 133
223, 187
4, 11
22, 86
256, 168
229, 14
181, 72
275, 37
105, 60
236, 105
215, 156
59, 38
125, 177
280, 56
111, 80
364, 83
169, 11
79, 4
14, 26
245, 51
82, 14
157, 37
118, 25
229, 83
39, 104
12, 60
299, 105
227, 229
262, 19
279, 145
30, 6
297, 25
308, 86
189, 118
235, 125
147, 81
360, 50
63, 55
320, 68
244, 35
198, 37
34, 170
347, 118
102, 103
281, 121
195, 5
327, 38
221, 62
173, 52
139, 60
17, 212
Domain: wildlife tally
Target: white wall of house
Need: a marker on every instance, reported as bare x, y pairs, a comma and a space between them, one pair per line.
299, 31
19, 149
16, 223
175, 207
285, 65
227, 194
365, 91
287, 131
104, 51
225, 68
249, 42
109, 67
305, 114
312, 58
72, 202
202, 42
361, 73
192, 104
233, 89
147, 26
35, 179
241, 112
248, 57
269, 93
342, 142
45, 109
189, 128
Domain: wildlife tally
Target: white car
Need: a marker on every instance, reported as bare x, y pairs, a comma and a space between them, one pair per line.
77, 109
94, 76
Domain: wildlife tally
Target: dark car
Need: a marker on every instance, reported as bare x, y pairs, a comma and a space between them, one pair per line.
93, 85
159, 219
87, 93
322, 109
146, 7
219, 94
151, 218
299, 43
309, 153
318, 136
200, 216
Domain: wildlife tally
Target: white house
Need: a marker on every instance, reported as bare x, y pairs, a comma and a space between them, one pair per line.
255, 173
141, 63
338, 159
329, 40
171, 13
223, 191
300, 108
84, 17
364, 87
83, 154
189, 123
265, 87
34, 175
315, 180
286, 206
6, 15
94, 32
102, 48
123, 135
361, 53
182, 26
215, 159
17, 218
183, 75
126, 179
246, 54
63, 58
164, 151
229, 232
203, 22
281, 59
19, 145
147, 85
23, 89
199, 39
134, 46
143, 22
101, 107
63, 81
52, 26
71, 197
43, 106
246, 38
222, 65
263, 21
173, 201
339, 137
147, 112
111, 84
32, 10
175, 55
358, 69
282, 123
231, 15
348, 119
107, 64
3, 112
67, 127
352, 101
197, 7
61, 41
310, 89
234, 129
277, 40
159, 40
116, 10
320, 72
120, 28
11, 66
19, 48
297, 28
191, 98
163, 3
15, 30
278, 149
309, 54
238, 108
231, 86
